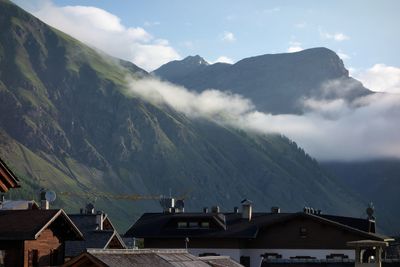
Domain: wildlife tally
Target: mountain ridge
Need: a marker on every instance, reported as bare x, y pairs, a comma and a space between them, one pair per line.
276, 83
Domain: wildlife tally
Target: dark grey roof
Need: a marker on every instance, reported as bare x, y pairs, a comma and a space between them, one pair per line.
231, 225
28, 224
145, 258
94, 238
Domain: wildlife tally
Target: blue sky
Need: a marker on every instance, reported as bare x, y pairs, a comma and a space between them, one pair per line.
366, 31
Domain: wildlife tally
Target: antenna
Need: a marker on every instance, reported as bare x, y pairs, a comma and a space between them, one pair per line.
370, 211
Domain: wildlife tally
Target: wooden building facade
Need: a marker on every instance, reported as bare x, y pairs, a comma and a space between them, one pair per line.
30, 238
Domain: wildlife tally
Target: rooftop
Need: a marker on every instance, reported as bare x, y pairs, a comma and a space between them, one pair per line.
232, 225
28, 224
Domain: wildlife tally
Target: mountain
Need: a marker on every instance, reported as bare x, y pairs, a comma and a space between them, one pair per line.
276, 83
377, 181
178, 69
69, 123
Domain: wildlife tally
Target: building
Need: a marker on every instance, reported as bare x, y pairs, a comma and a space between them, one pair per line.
249, 237
97, 230
35, 237
7, 178
18, 205
146, 258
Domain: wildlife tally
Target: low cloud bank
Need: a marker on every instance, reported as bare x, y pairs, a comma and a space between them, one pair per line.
380, 78
367, 128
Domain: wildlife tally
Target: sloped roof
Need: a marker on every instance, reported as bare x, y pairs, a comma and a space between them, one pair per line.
94, 238
18, 205
7, 178
29, 224
145, 258
160, 225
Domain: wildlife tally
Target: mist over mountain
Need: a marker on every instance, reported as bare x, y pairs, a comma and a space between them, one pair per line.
69, 122
276, 83
348, 127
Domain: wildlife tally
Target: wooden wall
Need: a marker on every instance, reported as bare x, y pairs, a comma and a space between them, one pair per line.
50, 250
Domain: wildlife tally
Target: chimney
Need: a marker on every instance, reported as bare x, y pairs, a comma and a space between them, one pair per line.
275, 210
44, 203
215, 209
247, 209
89, 208
167, 203
99, 220
236, 210
205, 210
371, 218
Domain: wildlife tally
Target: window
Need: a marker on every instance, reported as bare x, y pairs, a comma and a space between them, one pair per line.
245, 261
205, 225
193, 225
33, 258
303, 232
182, 224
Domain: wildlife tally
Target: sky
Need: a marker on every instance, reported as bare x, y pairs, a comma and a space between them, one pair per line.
151, 33
363, 32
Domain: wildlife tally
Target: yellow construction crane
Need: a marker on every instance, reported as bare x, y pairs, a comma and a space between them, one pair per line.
122, 197
108, 195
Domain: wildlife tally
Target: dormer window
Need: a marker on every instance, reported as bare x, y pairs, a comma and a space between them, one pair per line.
303, 232
182, 224
193, 225
205, 225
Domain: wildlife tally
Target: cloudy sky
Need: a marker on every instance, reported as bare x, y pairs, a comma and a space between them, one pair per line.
150, 33
362, 32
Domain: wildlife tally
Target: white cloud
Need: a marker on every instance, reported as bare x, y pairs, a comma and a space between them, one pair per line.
338, 36
105, 31
210, 103
380, 78
228, 37
294, 47
224, 59
342, 55
330, 130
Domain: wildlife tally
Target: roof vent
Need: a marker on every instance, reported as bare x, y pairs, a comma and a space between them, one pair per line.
275, 210
235, 210
179, 205
89, 208
310, 210
247, 209
215, 209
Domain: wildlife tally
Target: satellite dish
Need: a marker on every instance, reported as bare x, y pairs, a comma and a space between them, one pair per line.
50, 196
